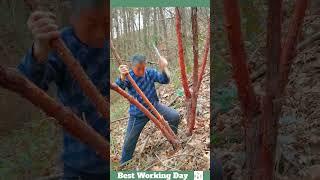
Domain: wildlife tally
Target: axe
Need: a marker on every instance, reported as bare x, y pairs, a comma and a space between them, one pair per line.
166, 70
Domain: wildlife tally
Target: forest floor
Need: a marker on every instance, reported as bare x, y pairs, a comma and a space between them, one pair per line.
298, 153
153, 151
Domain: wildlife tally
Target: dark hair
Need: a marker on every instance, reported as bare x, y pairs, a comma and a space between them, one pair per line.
137, 59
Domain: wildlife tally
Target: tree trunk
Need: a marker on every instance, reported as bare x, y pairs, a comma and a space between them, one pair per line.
182, 65
205, 56
268, 129
248, 100
278, 64
165, 34
155, 30
191, 115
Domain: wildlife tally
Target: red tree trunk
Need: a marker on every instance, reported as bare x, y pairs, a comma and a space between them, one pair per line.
204, 57
164, 129
191, 113
261, 153
268, 129
13, 81
290, 43
277, 78
248, 100
191, 97
182, 65
82, 78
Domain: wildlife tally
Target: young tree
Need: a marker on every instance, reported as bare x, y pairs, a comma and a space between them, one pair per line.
191, 96
260, 120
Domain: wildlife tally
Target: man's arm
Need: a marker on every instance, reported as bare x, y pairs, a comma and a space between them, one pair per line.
41, 73
123, 84
121, 81
160, 76
40, 65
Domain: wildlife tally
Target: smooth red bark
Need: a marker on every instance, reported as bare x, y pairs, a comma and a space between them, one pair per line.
153, 109
268, 129
191, 113
261, 145
163, 126
182, 65
248, 100
13, 81
76, 71
82, 78
204, 57
290, 43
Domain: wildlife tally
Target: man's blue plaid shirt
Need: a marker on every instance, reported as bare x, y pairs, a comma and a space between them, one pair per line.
95, 63
147, 85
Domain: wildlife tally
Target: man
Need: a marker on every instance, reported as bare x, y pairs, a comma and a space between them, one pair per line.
145, 79
87, 40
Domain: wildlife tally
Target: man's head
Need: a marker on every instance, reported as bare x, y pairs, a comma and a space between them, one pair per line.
90, 19
138, 62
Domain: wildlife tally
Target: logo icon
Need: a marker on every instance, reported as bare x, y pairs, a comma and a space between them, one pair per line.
198, 175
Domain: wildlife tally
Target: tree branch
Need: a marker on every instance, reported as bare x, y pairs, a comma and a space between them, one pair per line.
161, 125
290, 43
182, 64
204, 57
76, 71
13, 81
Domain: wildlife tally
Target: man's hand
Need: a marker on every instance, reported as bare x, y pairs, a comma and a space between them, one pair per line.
123, 69
163, 63
44, 29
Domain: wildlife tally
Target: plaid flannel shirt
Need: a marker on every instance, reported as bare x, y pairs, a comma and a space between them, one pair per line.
147, 85
95, 63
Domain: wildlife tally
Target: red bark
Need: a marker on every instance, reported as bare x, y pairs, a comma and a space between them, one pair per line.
247, 96
13, 81
290, 43
261, 153
162, 126
153, 109
277, 79
191, 113
191, 97
82, 78
204, 57
195, 48
268, 129
76, 71
182, 65
248, 100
